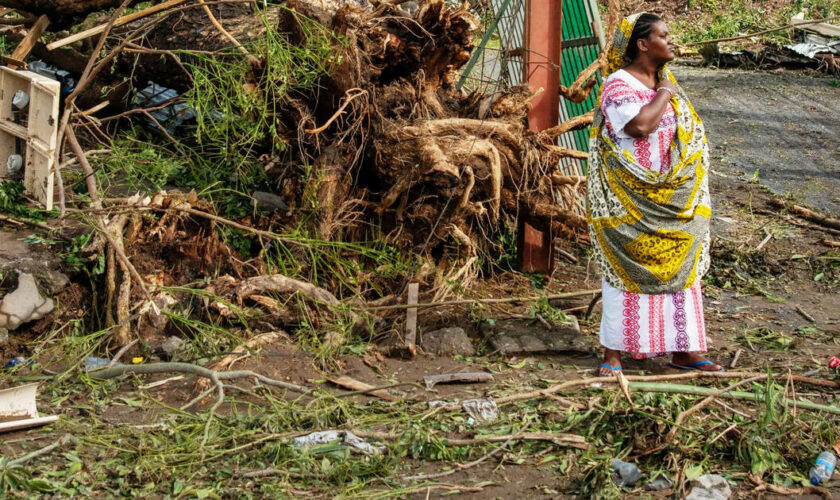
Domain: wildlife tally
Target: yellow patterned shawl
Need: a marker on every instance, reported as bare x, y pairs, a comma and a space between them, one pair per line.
650, 231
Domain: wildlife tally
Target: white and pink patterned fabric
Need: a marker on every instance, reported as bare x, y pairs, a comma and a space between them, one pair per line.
622, 98
646, 325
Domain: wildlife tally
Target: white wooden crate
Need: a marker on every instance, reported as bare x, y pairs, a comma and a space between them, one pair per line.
35, 139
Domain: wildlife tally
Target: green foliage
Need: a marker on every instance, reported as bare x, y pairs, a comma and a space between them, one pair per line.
12, 202
237, 106
139, 166
707, 19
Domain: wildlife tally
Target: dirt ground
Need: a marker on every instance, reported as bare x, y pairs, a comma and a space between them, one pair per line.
781, 124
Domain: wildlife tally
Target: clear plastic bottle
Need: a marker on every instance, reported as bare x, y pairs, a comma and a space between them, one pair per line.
824, 468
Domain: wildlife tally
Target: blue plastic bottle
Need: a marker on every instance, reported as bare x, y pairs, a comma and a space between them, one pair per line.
822, 471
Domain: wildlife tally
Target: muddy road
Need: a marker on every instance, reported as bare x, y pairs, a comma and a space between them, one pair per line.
782, 127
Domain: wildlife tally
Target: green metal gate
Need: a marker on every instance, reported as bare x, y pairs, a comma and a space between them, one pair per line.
582, 42
497, 62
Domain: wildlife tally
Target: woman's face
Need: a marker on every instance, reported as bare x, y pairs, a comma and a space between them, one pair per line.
660, 48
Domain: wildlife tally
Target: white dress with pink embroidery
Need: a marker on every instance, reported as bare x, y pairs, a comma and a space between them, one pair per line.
645, 325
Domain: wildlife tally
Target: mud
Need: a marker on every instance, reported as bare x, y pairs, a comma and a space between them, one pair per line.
780, 127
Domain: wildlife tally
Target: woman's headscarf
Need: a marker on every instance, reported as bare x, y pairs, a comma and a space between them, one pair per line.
650, 230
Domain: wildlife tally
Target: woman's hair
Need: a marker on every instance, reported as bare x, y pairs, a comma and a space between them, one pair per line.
641, 31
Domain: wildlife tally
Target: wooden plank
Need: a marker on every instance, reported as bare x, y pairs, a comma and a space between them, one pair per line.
38, 178
358, 385
411, 319
119, 22
43, 111
433, 380
823, 29
26, 45
12, 82
14, 129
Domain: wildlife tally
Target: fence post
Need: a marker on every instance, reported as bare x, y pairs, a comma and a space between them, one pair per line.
543, 39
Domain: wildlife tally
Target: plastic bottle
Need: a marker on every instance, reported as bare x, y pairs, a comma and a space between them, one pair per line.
824, 468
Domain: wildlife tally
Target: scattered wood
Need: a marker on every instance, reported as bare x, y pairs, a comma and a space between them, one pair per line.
564, 295
723, 433
798, 24
702, 404
831, 243
808, 214
805, 314
761, 485
706, 391
735, 358
119, 22
116, 371
764, 242
159, 383
278, 283
468, 465
411, 319
358, 385
820, 27
539, 393
28, 43
433, 380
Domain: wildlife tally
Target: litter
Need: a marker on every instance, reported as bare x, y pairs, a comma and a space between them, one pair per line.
624, 473
67, 81
15, 362
481, 410
661, 483
433, 380
18, 409
170, 117
345, 437
824, 468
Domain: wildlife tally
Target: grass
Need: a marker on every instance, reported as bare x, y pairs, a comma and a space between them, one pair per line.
707, 19
156, 450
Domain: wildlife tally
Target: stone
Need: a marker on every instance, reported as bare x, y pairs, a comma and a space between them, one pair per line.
518, 336
16, 255
709, 487
447, 342
170, 347
24, 304
270, 202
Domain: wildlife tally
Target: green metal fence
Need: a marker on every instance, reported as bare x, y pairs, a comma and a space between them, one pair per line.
497, 62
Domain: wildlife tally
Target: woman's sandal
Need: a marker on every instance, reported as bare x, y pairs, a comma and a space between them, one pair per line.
608, 367
695, 366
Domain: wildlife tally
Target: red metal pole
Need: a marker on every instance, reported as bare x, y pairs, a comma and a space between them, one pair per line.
543, 38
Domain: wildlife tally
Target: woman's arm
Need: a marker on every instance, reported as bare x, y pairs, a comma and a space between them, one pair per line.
651, 114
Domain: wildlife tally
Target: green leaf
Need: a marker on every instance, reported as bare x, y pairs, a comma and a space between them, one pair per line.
694, 472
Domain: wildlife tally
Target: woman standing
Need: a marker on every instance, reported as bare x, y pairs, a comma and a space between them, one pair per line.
648, 204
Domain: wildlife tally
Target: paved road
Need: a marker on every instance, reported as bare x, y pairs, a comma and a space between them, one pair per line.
785, 125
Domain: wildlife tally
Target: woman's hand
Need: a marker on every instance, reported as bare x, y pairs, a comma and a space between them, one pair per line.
651, 114
666, 83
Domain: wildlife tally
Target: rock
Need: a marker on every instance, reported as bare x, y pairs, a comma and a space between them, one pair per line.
153, 323
661, 483
528, 336
170, 348
270, 202
16, 255
709, 487
447, 342
24, 304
